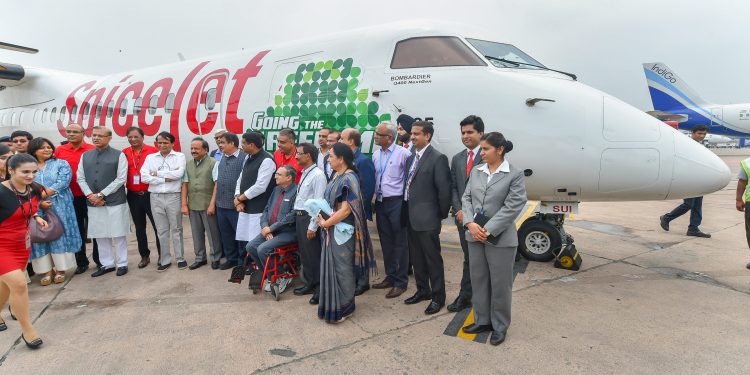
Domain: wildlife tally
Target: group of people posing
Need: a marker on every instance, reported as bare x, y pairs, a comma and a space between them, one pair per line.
247, 202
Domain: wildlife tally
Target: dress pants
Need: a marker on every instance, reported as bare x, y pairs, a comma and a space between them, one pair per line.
492, 280
695, 206
228, 229
140, 209
168, 217
309, 251
81, 209
393, 240
465, 292
260, 248
202, 224
424, 250
117, 246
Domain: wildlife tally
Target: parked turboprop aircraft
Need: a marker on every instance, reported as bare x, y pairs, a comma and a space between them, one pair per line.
574, 142
674, 100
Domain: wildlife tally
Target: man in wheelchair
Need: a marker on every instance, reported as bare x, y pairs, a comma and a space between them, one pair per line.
278, 226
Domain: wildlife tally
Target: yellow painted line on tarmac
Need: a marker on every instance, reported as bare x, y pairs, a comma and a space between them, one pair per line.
469, 320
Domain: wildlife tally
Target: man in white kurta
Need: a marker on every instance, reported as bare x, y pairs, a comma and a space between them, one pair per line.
102, 174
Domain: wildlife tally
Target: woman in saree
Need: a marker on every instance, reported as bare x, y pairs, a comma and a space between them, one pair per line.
340, 263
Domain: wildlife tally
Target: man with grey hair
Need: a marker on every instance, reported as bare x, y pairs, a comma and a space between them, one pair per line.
390, 167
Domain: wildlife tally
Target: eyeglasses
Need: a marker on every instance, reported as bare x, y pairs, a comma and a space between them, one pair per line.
382, 135
100, 136
73, 132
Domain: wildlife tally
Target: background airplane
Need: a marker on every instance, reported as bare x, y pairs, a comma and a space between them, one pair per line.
674, 100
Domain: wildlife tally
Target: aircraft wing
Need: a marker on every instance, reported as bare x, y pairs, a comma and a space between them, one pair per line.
12, 74
667, 116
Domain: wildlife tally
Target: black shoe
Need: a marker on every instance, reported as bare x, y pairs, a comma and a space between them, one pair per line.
416, 298
361, 290
197, 265
163, 267
477, 328
497, 338
459, 304
81, 269
664, 223
314, 299
121, 271
304, 290
3, 326
215, 265
748, 266
182, 265
30, 270
34, 344
102, 271
227, 265
433, 308
698, 233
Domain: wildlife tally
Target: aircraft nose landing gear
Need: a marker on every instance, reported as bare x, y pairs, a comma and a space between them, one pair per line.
542, 238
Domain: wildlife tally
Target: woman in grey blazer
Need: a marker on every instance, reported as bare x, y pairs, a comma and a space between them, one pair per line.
494, 196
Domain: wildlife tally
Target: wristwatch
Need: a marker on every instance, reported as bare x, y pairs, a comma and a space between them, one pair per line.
100, 195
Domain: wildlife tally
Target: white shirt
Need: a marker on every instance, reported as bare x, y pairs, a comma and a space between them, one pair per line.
312, 186
265, 173
504, 167
321, 159
170, 167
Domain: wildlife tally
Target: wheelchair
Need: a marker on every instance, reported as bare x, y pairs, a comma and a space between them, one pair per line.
283, 262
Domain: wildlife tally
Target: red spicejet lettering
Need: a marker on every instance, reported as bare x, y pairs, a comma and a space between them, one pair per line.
70, 102
165, 84
234, 123
206, 126
174, 121
117, 127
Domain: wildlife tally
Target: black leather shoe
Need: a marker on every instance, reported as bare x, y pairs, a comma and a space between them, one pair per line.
416, 298
121, 271
102, 271
227, 265
197, 265
163, 267
459, 304
314, 299
34, 344
81, 269
497, 337
361, 290
477, 328
144, 262
385, 284
698, 233
3, 326
215, 265
664, 223
433, 308
304, 290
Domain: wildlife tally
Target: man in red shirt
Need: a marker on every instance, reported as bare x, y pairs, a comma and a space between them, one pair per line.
139, 199
286, 152
72, 152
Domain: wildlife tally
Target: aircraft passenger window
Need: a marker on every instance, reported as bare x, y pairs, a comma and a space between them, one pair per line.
210, 99
433, 51
63, 109
20, 117
123, 107
53, 115
152, 105
170, 104
44, 115
137, 106
98, 111
110, 108
86, 110
13, 119
35, 119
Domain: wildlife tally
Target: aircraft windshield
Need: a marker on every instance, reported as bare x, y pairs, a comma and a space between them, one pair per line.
502, 51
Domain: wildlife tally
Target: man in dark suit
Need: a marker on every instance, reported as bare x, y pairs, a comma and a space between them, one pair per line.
472, 129
427, 198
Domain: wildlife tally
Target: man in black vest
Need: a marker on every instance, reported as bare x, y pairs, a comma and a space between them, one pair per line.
254, 187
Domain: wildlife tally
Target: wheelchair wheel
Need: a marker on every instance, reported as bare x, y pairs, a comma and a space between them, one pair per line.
275, 293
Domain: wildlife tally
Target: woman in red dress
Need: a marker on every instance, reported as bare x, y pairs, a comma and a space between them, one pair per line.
19, 200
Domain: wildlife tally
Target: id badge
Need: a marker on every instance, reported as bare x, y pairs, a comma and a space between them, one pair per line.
28, 240
136, 180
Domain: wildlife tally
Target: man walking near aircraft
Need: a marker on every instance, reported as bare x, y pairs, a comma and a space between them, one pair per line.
694, 205
472, 129
743, 196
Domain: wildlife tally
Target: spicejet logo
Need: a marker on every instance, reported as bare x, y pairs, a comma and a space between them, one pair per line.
665, 73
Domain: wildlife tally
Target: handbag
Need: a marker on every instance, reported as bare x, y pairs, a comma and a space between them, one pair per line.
53, 231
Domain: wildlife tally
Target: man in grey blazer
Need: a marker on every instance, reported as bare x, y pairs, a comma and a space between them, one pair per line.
472, 129
427, 199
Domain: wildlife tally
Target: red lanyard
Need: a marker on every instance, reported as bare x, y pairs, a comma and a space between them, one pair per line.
23, 209
140, 153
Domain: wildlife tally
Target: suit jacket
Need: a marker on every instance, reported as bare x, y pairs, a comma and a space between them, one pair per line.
429, 192
458, 177
366, 180
504, 200
285, 219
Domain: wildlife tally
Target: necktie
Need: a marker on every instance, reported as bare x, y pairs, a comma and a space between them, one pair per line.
411, 174
470, 163
275, 212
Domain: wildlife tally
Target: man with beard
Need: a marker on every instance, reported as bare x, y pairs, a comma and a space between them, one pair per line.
404, 123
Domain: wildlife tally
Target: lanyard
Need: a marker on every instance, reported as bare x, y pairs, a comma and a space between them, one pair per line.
27, 218
382, 167
310, 169
136, 163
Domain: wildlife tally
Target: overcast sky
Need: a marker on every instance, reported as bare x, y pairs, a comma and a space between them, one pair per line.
603, 41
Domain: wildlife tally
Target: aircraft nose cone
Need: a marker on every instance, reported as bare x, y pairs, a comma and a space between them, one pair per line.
697, 171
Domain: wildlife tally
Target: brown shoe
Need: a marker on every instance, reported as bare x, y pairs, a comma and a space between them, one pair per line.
395, 292
385, 284
144, 262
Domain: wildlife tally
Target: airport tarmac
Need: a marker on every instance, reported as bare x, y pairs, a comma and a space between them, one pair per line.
645, 301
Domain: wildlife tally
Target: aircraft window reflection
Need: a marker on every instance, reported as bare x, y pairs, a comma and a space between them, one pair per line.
152, 105
137, 106
98, 111
86, 110
52, 115
110, 108
210, 99
170, 103
506, 52
74, 111
425, 52
123, 107
62, 113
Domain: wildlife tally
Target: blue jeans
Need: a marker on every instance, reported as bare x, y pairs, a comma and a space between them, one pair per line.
228, 230
260, 249
695, 206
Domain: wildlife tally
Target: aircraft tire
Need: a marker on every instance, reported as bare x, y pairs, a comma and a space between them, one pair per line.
538, 240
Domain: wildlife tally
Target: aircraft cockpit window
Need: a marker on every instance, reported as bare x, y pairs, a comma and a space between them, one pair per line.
170, 103
433, 51
505, 55
152, 105
137, 106
210, 99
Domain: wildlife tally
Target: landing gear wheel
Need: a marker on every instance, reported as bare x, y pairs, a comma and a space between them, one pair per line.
275, 293
539, 240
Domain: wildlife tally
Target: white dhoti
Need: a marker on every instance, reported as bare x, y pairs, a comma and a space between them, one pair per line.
248, 227
109, 221
117, 246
